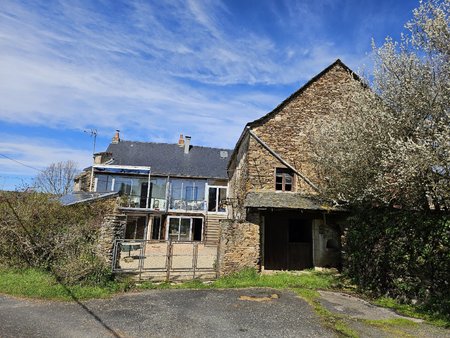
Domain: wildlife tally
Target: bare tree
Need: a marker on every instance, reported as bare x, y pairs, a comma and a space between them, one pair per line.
57, 178
391, 144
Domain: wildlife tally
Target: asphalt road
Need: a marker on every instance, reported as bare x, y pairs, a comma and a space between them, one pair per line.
165, 313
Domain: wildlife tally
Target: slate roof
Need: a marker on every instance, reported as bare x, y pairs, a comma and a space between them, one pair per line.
288, 200
170, 159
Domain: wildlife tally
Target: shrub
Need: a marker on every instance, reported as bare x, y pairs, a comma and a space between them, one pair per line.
400, 254
36, 231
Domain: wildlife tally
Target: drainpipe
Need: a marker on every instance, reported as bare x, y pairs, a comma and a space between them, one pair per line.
148, 187
167, 193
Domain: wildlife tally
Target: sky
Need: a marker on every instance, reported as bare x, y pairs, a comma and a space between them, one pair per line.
158, 69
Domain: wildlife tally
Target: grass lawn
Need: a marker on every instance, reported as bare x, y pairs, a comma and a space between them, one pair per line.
39, 284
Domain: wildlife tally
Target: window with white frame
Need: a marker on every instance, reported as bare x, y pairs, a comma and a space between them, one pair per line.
183, 229
216, 199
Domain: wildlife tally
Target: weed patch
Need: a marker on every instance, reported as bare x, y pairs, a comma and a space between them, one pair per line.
415, 311
329, 319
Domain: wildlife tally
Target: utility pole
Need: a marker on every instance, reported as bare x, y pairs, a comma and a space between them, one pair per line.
93, 133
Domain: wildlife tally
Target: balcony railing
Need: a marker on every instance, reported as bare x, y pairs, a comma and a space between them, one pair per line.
183, 205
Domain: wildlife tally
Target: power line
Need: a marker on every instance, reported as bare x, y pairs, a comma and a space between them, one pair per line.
25, 165
12, 177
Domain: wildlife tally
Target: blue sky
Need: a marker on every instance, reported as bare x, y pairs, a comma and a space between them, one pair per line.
155, 69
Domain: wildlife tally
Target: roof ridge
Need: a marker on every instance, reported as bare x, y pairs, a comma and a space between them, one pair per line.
129, 141
303, 88
172, 144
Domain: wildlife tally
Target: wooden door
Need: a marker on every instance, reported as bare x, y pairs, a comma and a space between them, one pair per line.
287, 242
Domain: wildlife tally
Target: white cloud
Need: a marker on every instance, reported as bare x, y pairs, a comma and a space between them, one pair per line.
157, 68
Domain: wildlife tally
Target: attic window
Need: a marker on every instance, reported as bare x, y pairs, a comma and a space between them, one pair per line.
284, 179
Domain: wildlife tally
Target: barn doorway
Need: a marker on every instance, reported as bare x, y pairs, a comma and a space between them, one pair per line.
287, 241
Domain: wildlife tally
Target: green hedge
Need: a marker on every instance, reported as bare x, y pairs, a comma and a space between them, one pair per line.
400, 254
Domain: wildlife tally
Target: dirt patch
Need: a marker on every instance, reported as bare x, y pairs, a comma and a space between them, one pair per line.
260, 298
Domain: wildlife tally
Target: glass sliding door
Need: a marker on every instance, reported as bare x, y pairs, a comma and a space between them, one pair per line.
158, 193
156, 228
187, 194
216, 199
183, 229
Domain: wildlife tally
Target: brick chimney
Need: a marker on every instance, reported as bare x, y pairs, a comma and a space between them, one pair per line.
181, 141
116, 138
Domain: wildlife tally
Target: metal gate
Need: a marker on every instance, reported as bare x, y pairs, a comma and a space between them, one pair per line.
165, 260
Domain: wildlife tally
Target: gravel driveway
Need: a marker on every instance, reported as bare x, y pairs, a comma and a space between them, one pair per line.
166, 313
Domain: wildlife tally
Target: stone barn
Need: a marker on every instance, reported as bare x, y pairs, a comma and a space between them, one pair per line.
276, 217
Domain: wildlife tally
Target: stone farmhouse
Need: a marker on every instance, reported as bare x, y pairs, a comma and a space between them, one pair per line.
255, 206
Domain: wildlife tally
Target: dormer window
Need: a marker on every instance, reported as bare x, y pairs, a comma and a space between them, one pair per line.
284, 179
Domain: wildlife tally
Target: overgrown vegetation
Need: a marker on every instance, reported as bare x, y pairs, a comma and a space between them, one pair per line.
401, 254
37, 232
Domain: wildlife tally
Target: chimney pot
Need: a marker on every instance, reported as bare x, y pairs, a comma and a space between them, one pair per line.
181, 141
116, 138
187, 144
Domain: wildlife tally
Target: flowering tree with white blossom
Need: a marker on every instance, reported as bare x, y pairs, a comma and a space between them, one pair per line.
391, 144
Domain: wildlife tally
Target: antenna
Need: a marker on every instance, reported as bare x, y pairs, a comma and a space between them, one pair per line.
93, 133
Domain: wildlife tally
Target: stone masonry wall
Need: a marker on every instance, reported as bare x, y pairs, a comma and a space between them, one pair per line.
287, 131
239, 246
112, 227
237, 186
83, 181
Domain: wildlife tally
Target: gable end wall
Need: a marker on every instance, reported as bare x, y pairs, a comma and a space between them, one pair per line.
287, 131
